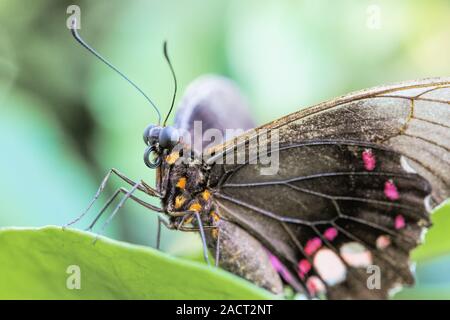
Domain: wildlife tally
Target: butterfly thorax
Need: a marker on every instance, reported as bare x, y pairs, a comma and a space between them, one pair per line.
183, 182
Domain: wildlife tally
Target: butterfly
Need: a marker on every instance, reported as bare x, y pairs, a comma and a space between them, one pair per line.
356, 178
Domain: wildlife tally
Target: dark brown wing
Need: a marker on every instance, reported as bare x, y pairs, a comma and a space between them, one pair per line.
412, 118
325, 203
324, 187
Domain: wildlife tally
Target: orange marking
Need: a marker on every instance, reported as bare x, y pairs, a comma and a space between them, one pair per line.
195, 207
179, 201
188, 220
172, 157
181, 183
214, 233
205, 195
215, 216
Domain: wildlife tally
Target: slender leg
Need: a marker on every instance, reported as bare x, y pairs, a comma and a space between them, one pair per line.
168, 225
107, 204
120, 205
158, 234
183, 220
179, 213
151, 191
142, 187
97, 194
193, 229
217, 248
202, 234
113, 197
186, 215
146, 189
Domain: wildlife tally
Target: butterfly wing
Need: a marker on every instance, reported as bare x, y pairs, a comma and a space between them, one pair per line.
346, 197
328, 218
413, 118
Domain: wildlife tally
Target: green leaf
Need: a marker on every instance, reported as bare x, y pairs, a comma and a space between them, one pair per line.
437, 241
432, 280
34, 264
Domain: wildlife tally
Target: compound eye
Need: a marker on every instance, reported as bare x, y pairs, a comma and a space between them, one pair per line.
151, 134
146, 134
168, 137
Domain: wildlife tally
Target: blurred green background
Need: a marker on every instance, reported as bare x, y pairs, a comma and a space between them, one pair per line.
65, 119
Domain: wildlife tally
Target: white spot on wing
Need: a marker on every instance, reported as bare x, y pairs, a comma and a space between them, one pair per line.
428, 203
423, 234
330, 267
356, 255
406, 166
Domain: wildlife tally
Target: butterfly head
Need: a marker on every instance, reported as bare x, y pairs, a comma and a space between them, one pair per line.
158, 140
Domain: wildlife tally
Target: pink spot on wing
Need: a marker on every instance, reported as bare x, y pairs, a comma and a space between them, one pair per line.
390, 190
369, 159
303, 268
399, 222
313, 245
330, 234
315, 285
280, 268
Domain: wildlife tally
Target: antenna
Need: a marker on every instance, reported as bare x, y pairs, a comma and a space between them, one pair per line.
174, 80
95, 53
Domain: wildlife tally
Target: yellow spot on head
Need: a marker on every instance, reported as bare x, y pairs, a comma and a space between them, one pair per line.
195, 207
181, 183
188, 220
179, 201
205, 195
173, 157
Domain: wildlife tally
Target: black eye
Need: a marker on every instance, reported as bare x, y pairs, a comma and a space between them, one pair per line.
146, 133
151, 134
168, 137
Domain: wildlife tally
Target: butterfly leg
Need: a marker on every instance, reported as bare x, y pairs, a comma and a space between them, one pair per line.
113, 197
217, 248
129, 194
143, 187
186, 219
202, 234
117, 208
176, 226
158, 233
168, 225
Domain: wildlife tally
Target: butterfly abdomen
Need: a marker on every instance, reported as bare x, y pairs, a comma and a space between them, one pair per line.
243, 255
